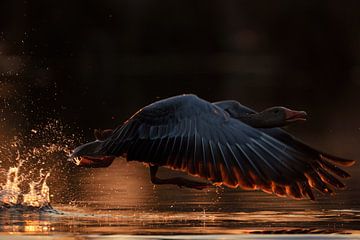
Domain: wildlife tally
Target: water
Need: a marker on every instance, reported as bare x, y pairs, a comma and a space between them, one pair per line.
11, 195
45, 197
120, 200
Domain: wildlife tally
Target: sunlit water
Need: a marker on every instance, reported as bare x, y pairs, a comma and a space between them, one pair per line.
12, 196
60, 200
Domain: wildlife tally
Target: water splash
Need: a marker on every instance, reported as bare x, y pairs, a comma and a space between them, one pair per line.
10, 192
26, 161
38, 195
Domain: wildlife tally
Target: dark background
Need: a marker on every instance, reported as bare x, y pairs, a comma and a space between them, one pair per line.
91, 64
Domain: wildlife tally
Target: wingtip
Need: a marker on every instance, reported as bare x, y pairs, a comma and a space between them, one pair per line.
340, 161
351, 163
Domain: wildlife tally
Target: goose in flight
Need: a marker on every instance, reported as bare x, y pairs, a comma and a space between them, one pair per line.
224, 142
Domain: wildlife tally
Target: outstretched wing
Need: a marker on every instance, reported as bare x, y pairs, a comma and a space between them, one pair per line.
192, 135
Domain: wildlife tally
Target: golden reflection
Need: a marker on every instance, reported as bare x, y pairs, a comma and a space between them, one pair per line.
37, 226
28, 226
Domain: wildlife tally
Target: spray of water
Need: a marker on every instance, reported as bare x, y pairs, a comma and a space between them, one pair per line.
10, 191
30, 166
38, 195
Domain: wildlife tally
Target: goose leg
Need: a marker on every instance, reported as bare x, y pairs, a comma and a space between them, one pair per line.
179, 181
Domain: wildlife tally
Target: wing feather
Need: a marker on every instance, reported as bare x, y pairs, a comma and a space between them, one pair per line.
227, 173
204, 158
243, 179
254, 172
215, 168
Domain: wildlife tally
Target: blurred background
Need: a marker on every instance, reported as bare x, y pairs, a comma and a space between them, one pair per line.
92, 64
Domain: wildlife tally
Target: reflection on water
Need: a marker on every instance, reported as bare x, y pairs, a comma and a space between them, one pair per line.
126, 221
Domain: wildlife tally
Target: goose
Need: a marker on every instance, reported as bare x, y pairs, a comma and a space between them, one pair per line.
223, 142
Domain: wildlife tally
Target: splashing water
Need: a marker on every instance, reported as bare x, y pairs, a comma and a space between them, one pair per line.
39, 194
11, 194
10, 191
24, 186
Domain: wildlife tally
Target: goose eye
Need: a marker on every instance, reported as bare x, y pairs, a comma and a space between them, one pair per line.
276, 110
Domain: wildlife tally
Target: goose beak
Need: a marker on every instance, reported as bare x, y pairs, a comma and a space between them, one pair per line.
295, 116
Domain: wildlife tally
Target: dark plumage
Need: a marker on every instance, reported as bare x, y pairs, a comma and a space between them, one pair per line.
223, 142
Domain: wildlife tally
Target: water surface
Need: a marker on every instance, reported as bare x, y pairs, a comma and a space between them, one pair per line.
120, 201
